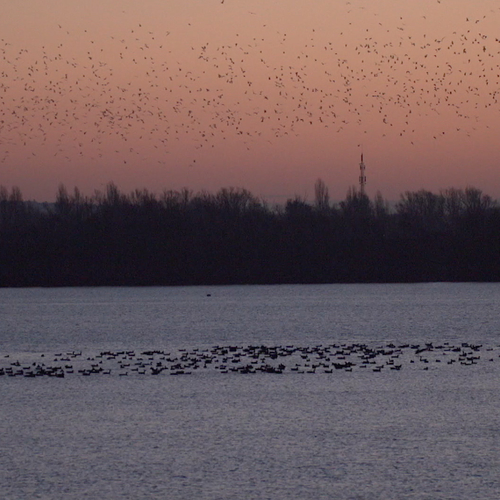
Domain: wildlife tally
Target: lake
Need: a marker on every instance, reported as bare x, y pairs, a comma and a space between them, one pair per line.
280, 392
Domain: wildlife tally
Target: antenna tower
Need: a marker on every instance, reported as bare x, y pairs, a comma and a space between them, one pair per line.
362, 176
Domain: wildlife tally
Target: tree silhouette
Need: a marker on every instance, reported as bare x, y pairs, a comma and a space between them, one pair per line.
186, 238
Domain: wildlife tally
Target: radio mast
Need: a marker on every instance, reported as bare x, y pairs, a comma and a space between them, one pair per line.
362, 176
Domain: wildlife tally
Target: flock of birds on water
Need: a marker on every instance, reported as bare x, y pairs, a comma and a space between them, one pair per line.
141, 91
251, 359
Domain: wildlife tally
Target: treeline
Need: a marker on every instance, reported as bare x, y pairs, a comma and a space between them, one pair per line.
232, 237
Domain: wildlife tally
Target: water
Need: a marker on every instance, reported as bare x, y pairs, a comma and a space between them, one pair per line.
427, 431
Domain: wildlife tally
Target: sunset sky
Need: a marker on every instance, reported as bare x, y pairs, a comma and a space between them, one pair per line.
265, 95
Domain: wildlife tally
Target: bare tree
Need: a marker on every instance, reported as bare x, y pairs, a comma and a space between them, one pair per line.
321, 196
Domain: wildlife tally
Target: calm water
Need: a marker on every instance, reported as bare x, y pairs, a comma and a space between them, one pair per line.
429, 430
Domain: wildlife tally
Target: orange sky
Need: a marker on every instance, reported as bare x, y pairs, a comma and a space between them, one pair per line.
264, 95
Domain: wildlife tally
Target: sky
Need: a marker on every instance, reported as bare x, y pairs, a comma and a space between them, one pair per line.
267, 96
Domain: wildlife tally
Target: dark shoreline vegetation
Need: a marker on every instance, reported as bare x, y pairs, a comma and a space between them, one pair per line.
232, 237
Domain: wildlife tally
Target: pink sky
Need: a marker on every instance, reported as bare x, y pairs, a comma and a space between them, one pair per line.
263, 95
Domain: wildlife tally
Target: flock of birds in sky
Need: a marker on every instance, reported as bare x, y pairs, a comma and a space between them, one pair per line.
144, 92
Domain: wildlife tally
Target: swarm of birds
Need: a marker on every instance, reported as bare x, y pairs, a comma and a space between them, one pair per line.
251, 359
141, 91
